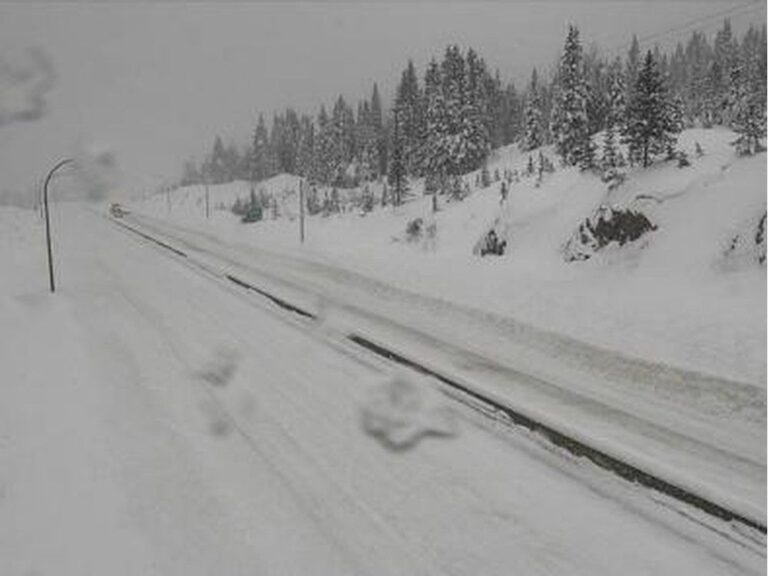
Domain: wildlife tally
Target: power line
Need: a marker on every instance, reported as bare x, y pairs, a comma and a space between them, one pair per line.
741, 8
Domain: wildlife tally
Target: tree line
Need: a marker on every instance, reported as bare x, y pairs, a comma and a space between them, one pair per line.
445, 121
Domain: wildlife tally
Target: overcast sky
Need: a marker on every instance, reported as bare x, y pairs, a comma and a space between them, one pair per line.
155, 83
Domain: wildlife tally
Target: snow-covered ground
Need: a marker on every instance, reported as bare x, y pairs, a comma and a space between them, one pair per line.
594, 348
154, 420
672, 297
703, 433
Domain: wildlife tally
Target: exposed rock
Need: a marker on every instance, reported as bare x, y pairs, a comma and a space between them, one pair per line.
606, 226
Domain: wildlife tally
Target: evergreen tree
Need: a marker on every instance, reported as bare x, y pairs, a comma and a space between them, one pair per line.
748, 114
260, 152
190, 174
409, 101
379, 137
397, 164
726, 52
511, 115
495, 110
365, 142
534, 136
275, 144
570, 123
217, 163
434, 153
697, 93
476, 120
747, 93
633, 65
306, 147
612, 157
231, 163
342, 129
649, 128
457, 138
675, 124
324, 149
616, 96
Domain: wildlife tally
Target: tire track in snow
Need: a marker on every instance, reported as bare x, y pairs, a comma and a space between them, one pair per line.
573, 445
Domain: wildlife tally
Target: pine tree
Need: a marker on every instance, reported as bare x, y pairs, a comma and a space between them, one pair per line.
649, 128
633, 66
597, 78
473, 139
285, 140
434, 153
190, 174
342, 130
367, 163
324, 149
617, 102
378, 136
306, 148
612, 157
534, 136
675, 124
611, 154
726, 56
260, 152
231, 163
511, 115
495, 112
697, 91
570, 123
457, 140
749, 118
217, 164
747, 94
409, 101
397, 164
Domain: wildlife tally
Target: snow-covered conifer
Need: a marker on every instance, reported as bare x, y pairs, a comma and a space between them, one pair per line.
649, 126
534, 129
570, 123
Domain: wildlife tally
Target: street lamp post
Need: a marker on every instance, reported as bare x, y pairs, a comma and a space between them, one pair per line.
47, 219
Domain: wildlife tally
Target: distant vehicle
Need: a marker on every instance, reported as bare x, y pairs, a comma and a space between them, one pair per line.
117, 211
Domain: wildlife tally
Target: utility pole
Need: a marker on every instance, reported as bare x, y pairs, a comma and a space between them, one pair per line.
301, 210
47, 219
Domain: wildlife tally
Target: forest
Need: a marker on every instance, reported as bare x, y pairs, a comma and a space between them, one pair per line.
445, 121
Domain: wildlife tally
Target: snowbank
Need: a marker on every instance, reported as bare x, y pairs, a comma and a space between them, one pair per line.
674, 295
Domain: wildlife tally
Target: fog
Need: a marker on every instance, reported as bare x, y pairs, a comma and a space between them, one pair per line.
159, 81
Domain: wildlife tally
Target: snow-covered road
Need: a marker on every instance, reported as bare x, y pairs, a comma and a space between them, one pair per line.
703, 433
154, 420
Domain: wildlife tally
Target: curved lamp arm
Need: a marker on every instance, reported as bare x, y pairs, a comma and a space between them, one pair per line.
47, 221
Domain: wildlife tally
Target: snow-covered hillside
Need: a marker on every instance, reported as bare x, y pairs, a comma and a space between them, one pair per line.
690, 293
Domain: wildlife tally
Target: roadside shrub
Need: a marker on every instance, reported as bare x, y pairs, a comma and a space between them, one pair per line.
414, 229
491, 244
